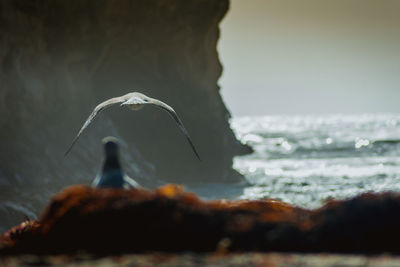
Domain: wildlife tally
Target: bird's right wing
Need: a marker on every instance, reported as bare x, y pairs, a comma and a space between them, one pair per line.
173, 114
130, 183
97, 109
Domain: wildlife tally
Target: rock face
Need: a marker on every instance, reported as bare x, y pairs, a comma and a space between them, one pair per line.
60, 58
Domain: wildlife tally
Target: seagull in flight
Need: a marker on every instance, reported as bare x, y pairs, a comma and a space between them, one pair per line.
133, 101
112, 175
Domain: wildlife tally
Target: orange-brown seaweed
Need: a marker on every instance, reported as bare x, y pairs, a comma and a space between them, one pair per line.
107, 221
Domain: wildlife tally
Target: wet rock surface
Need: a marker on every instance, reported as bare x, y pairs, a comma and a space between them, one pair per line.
209, 259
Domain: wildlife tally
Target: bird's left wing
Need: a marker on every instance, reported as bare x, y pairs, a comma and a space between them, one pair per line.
97, 109
173, 114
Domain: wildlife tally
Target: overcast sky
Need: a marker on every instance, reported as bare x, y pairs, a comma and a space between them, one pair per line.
311, 56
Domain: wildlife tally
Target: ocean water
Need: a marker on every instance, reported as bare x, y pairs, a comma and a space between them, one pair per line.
305, 160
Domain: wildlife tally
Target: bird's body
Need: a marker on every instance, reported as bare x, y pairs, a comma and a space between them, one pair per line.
112, 175
134, 101
115, 179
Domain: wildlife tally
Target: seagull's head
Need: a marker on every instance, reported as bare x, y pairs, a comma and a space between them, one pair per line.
136, 102
110, 146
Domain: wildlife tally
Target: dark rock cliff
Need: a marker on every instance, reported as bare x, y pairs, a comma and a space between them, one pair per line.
58, 59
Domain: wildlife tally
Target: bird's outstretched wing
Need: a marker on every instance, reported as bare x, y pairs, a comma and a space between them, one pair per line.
97, 109
173, 114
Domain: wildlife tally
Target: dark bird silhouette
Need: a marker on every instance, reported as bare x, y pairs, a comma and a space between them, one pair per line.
112, 175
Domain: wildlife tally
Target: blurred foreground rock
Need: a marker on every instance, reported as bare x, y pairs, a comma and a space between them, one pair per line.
109, 221
206, 259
